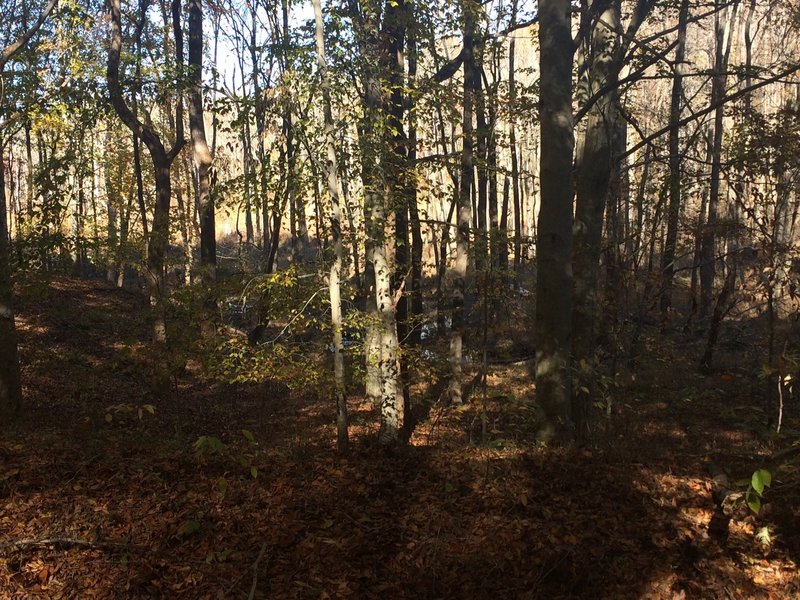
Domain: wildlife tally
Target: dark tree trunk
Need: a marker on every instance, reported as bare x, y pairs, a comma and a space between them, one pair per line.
202, 163
553, 322
674, 210
723, 20
162, 160
10, 387
595, 164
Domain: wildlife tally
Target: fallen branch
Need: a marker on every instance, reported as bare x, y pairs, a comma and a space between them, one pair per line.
66, 542
255, 572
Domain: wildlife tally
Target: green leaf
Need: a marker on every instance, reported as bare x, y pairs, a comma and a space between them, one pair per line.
222, 555
761, 479
189, 527
753, 501
254, 472
248, 435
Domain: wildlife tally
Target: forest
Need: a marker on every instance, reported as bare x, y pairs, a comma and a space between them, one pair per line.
383, 299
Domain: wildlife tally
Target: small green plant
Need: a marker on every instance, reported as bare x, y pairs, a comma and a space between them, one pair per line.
210, 446
191, 525
761, 479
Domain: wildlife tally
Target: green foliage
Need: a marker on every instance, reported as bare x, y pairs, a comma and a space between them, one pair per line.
209, 447
191, 525
236, 361
294, 312
760, 480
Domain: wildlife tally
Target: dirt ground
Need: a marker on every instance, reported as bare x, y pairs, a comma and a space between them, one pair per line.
109, 490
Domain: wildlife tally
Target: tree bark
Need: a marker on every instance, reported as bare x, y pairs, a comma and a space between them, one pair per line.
162, 160
674, 210
334, 284
722, 26
10, 384
459, 272
202, 164
553, 322
595, 164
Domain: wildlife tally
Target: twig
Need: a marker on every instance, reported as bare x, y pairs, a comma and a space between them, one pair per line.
66, 541
255, 572
351, 519
296, 315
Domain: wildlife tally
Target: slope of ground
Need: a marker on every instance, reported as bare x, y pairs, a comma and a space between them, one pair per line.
113, 486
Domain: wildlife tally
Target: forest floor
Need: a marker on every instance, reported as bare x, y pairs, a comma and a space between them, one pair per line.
108, 490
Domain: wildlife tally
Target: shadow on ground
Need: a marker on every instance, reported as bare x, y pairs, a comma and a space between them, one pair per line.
136, 512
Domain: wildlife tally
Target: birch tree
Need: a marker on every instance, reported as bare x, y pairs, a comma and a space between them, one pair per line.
334, 281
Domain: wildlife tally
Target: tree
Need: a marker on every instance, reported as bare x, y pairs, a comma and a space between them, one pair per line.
202, 156
161, 157
334, 282
673, 212
10, 383
464, 214
723, 23
553, 323
594, 168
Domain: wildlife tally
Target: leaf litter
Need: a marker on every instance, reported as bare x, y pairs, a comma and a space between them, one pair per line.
91, 508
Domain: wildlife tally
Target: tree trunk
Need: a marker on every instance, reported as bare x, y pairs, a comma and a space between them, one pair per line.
10, 386
459, 273
202, 165
553, 323
592, 185
162, 159
334, 285
411, 190
397, 183
512, 143
674, 210
723, 19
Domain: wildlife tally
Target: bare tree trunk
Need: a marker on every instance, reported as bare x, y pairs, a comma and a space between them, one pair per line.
10, 386
202, 165
553, 322
112, 197
162, 159
723, 20
416, 230
459, 273
334, 285
595, 159
674, 210
398, 187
